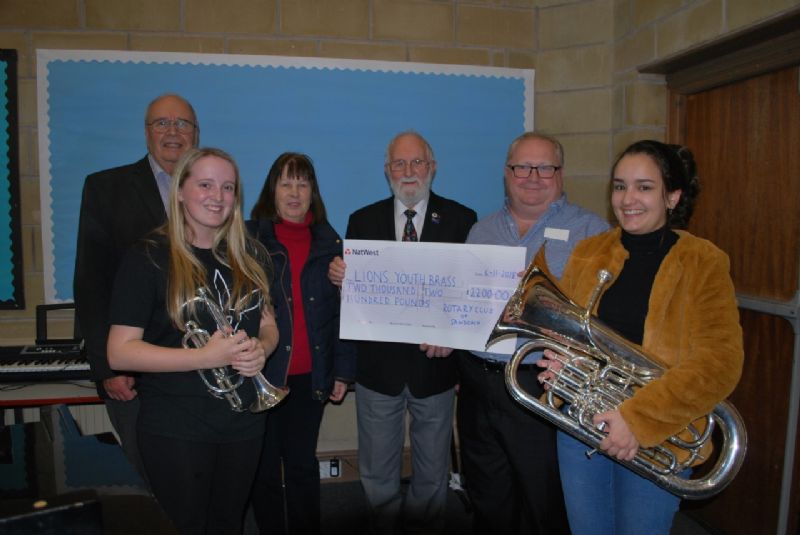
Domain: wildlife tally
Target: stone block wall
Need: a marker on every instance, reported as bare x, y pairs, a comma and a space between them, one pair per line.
651, 30
585, 52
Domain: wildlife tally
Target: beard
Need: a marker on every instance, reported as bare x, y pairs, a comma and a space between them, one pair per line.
411, 196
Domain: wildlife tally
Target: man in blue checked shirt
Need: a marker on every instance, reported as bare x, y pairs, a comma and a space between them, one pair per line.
508, 453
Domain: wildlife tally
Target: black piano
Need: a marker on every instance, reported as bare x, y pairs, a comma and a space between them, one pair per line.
43, 362
47, 360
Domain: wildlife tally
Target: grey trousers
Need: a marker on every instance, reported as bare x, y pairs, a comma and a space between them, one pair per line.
123, 416
381, 435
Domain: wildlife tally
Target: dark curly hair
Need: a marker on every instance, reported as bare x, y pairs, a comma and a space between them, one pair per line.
678, 171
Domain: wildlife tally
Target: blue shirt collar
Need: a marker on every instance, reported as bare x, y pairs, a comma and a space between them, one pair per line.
554, 208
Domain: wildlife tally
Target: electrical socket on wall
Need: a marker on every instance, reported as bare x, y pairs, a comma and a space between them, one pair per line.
329, 468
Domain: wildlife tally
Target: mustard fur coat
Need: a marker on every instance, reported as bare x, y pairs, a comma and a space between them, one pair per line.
692, 328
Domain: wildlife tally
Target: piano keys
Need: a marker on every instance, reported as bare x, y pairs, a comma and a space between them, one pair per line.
43, 362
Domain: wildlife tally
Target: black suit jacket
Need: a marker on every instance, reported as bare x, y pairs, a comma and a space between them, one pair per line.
387, 367
119, 206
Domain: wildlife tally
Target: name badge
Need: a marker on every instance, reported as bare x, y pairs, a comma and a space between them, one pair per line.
561, 234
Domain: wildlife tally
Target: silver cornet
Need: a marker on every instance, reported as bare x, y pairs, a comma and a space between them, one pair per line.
600, 370
227, 381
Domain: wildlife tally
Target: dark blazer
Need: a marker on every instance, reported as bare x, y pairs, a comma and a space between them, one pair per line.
387, 367
331, 358
119, 206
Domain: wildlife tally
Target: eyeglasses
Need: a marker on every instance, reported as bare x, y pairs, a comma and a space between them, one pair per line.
525, 171
162, 125
417, 165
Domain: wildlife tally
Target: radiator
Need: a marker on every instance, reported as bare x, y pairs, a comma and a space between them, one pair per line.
91, 418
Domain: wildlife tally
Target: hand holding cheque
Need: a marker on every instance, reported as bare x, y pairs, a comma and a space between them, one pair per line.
438, 294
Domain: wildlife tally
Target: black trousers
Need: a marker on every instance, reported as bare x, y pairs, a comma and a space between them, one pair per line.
202, 487
508, 455
286, 492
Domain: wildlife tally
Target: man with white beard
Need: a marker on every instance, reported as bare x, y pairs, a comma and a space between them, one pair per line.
393, 378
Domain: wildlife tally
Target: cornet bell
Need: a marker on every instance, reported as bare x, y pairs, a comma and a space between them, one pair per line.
267, 395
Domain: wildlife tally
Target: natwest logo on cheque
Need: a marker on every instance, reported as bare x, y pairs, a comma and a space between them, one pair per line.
359, 252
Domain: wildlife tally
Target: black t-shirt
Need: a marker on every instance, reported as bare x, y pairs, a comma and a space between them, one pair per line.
178, 404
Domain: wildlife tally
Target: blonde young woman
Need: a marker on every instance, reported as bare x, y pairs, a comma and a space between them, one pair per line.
200, 456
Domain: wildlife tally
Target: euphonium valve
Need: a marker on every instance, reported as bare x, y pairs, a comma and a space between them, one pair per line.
599, 371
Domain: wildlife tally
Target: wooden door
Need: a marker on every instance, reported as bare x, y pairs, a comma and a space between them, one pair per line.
746, 140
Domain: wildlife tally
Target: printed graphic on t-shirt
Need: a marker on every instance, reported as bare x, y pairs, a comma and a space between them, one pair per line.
221, 294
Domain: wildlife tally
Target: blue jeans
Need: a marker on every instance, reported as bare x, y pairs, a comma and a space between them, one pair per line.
605, 498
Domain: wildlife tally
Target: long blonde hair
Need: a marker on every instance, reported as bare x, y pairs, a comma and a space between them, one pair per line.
232, 247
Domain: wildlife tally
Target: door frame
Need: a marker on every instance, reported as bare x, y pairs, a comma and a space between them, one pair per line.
759, 49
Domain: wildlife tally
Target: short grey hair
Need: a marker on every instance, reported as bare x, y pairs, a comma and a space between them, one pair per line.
173, 95
559, 148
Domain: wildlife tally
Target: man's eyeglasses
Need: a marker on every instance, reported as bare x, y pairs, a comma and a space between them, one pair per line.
525, 171
417, 165
163, 125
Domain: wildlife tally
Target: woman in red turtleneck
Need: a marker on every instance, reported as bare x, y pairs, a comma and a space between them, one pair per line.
289, 219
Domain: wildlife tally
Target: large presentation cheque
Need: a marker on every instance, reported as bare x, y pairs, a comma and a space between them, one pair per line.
443, 294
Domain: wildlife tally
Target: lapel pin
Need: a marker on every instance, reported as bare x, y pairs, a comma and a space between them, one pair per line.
435, 217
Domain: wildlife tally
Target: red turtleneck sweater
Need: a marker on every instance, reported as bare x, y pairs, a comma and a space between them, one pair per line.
296, 237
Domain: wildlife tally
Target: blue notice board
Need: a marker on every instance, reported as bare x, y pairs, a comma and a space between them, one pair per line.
342, 113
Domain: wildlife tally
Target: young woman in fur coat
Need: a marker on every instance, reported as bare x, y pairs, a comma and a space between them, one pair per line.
671, 293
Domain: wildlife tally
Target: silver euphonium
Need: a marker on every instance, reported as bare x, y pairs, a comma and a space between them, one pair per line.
600, 370
227, 381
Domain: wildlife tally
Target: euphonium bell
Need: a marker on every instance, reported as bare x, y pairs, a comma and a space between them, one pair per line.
600, 370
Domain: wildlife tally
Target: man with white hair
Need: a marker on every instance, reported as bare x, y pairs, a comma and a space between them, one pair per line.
393, 378
119, 206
